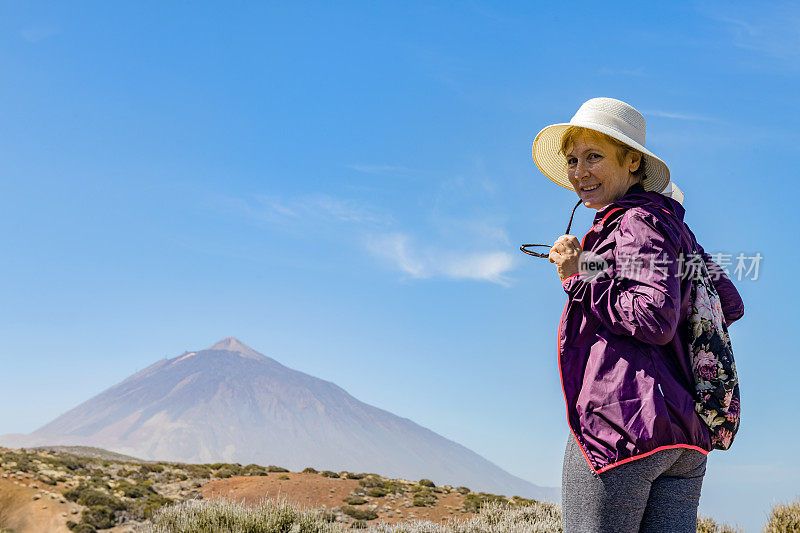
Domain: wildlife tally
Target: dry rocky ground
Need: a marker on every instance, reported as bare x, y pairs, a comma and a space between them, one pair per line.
86, 489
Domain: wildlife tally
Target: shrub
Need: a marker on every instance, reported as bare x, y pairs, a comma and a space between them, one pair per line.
273, 468
155, 468
424, 499
80, 528
351, 475
226, 516
201, 471
463, 490
474, 502
372, 481
784, 517
89, 497
328, 473
708, 525
427, 483
377, 492
310, 470
326, 515
359, 514
152, 504
355, 500
98, 516
223, 473
67, 461
518, 500
136, 491
283, 477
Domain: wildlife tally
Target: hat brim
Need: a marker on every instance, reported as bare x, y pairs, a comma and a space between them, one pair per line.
546, 154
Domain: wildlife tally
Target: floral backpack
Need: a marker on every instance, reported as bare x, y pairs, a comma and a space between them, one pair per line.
716, 385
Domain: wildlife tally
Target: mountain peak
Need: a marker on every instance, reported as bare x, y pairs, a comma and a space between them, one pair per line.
232, 344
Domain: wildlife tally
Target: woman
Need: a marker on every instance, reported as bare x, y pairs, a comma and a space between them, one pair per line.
636, 455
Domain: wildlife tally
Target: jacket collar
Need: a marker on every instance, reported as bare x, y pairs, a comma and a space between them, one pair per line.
637, 196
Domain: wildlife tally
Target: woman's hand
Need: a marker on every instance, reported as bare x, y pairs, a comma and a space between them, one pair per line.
566, 254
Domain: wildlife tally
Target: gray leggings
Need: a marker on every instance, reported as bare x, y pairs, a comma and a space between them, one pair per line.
658, 493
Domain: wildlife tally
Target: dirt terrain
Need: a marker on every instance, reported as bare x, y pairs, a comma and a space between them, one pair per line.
44, 490
313, 491
26, 507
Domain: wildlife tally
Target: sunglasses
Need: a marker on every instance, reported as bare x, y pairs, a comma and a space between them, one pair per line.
524, 247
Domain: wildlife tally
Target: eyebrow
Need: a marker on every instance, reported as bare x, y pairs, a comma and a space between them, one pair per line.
590, 149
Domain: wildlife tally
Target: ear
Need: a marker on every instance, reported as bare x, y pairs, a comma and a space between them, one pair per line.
635, 160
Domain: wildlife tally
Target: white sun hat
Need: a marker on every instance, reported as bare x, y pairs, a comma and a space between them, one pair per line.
616, 119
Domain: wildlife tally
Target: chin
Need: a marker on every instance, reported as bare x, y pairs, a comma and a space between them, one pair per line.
593, 204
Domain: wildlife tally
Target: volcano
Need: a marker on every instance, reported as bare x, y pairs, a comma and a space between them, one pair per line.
229, 403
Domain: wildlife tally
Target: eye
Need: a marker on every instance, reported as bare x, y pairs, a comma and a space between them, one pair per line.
594, 156
572, 161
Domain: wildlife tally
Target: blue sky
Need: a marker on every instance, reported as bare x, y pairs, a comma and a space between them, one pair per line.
344, 188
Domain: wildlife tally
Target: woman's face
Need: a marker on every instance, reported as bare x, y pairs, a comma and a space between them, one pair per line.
592, 164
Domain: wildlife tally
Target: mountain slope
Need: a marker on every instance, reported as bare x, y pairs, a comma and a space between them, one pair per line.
230, 403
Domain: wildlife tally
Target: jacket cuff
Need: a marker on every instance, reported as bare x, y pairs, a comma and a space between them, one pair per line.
570, 282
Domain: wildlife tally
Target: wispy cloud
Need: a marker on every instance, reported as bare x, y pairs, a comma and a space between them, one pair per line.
772, 29
375, 169
320, 208
677, 116
459, 247
420, 262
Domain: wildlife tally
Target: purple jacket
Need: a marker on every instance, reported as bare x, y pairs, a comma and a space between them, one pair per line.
622, 351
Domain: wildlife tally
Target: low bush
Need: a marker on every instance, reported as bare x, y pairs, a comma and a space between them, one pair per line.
254, 470
225, 516
359, 514
137, 491
223, 473
269, 516
784, 517
424, 499
427, 483
355, 500
328, 473
273, 468
310, 470
708, 525
98, 516
372, 481
518, 500
476, 501
88, 496
80, 528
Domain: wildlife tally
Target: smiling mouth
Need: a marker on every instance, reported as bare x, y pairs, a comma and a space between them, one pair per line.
590, 188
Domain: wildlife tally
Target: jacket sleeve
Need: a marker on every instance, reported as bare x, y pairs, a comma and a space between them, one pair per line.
639, 292
732, 304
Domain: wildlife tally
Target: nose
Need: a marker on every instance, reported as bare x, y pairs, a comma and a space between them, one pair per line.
581, 170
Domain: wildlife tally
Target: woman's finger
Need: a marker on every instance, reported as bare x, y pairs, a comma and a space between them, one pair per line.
570, 240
